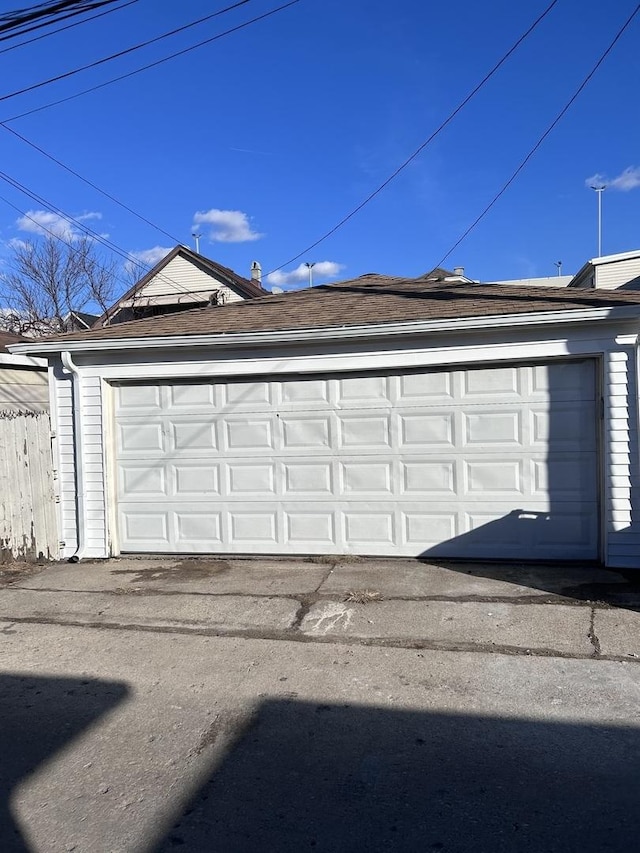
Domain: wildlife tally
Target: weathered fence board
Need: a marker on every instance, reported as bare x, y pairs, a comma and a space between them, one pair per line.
28, 518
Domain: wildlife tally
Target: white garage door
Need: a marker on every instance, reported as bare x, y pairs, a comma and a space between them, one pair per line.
494, 462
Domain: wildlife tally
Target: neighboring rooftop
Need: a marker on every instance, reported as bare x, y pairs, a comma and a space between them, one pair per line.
610, 272
7, 338
544, 281
370, 300
182, 280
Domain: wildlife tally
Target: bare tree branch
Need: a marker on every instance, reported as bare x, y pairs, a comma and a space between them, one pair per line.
47, 280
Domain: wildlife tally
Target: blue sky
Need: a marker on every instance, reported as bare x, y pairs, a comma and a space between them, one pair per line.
266, 138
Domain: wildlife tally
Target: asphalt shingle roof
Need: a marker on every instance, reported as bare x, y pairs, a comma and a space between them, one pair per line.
369, 300
7, 338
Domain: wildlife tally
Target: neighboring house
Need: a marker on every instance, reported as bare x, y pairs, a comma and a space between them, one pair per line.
79, 321
182, 280
611, 272
545, 281
24, 384
380, 415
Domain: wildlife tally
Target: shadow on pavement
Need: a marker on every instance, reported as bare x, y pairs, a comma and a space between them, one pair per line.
38, 717
343, 779
619, 588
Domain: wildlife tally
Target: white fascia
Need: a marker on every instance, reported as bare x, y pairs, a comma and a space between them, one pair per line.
328, 333
12, 360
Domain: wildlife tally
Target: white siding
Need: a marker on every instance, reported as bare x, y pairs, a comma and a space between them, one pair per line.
622, 498
609, 276
23, 389
179, 278
619, 454
93, 464
65, 460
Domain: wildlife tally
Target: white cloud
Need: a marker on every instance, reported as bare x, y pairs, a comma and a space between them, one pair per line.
46, 223
92, 214
227, 226
150, 257
628, 179
300, 275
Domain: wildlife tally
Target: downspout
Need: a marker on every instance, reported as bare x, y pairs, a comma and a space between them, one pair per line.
70, 367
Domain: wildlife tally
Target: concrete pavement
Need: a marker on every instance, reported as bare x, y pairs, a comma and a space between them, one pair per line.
240, 706
565, 611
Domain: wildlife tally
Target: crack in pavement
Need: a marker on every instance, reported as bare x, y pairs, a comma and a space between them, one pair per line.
551, 599
593, 637
289, 635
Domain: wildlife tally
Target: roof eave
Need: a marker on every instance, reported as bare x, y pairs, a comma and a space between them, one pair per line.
327, 333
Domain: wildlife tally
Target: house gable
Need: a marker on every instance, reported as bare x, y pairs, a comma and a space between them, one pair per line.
181, 280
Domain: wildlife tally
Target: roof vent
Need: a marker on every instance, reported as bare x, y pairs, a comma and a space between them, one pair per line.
256, 272
458, 271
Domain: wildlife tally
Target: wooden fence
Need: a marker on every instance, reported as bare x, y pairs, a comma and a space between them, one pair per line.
28, 517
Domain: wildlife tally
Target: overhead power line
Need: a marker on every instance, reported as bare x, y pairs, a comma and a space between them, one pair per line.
90, 183
109, 244
20, 22
156, 63
542, 138
66, 27
420, 148
56, 236
96, 63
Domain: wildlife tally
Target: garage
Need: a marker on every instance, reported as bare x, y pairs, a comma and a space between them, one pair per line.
494, 461
380, 416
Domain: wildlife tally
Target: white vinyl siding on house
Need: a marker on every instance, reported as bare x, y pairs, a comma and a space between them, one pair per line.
475, 462
181, 281
609, 276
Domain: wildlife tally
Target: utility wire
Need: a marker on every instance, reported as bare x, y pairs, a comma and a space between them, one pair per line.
113, 247
51, 233
19, 22
90, 183
421, 148
556, 120
157, 62
66, 27
121, 53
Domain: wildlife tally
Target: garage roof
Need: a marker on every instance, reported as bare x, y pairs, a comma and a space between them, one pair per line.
369, 300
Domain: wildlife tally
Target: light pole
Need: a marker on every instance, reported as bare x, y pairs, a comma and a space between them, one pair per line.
310, 268
599, 189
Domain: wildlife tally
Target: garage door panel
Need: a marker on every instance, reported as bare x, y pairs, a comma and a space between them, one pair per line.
199, 396
195, 479
491, 383
363, 431
564, 382
312, 432
307, 529
305, 478
425, 388
436, 477
140, 436
136, 398
472, 462
427, 430
195, 528
493, 477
